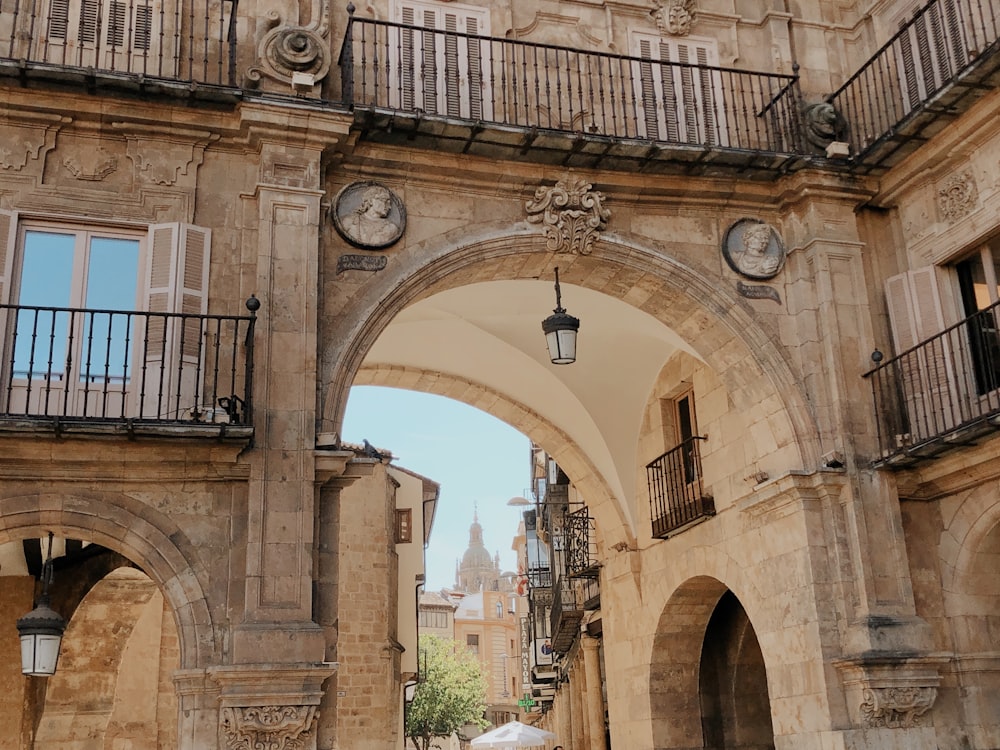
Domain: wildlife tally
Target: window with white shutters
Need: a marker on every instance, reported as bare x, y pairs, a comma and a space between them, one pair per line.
125, 35
679, 96
438, 67
70, 334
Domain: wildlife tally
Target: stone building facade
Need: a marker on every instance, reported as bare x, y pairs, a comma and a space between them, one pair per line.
777, 224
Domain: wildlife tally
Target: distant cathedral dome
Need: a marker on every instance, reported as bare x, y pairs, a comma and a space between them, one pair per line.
478, 570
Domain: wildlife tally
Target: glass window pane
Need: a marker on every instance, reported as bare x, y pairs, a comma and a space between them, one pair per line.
46, 281
112, 274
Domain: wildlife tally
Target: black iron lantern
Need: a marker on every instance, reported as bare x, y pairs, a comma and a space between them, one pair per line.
41, 630
560, 332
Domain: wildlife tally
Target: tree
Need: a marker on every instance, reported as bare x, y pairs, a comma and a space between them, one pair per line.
451, 694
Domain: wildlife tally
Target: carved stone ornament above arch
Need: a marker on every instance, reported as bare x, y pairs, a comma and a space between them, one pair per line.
957, 196
572, 214
272, 727
291, 54
674, 17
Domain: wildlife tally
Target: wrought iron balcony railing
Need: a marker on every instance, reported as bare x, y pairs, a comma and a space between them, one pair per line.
193, 41
942, 392
566, 615
516, 84
676, 495
71, 364
581, 545
932, 56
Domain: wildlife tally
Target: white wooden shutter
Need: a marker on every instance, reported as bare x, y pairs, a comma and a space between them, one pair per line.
176, 282
678, 103
930, 391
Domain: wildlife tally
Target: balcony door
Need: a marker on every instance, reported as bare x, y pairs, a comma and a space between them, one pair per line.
64, 361
436, 68
133, 36
679, 97
980, 293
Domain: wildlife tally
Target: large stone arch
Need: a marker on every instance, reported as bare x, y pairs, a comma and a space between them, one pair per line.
145, 536
720, 327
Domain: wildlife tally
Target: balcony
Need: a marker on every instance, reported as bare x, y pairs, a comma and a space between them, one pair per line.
507, 98
119, 372
942, 393
676, 496
567, 613
140, 43
581, 545
934, 68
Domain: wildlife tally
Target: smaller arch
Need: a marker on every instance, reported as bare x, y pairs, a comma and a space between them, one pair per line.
708, 682
145, 536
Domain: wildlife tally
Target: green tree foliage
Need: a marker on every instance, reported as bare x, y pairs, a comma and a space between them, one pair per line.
452, 693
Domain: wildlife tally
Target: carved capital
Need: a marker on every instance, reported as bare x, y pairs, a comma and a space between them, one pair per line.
894, 707
571, 213
958, 196
269, 727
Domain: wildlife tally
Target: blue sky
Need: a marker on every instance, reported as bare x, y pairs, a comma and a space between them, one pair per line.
478, 460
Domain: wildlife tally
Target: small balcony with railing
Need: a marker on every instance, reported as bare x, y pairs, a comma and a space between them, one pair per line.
677, 497
940, 394
126, 373
935, 67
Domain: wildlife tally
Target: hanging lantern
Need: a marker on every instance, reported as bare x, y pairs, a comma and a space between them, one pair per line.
41, 630
560, 332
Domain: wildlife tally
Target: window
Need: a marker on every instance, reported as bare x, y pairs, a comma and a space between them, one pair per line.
439, 73
73, 342
680, 103
980, 292
433, 619
472, 641
404, 525
499, 609
123, 35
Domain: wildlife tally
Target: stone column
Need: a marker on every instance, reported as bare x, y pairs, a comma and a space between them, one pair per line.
579, 726
595, 698
564, 718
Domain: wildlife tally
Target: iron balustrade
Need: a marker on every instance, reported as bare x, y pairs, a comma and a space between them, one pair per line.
506, 82
193, 41
113, 365
566, 614
929, 52
939, 391
581, 544
676, 495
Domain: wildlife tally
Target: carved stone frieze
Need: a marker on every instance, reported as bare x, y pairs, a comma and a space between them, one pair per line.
91, 165
958, 196
162, 159
24, 146
896, 707
571, 213
268, 727
674, 16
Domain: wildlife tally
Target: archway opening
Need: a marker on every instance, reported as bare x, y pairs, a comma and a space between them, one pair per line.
735, 708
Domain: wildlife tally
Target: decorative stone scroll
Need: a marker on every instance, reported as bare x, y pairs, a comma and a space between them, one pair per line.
674, 16
958, 196
896, 707
296, 55
572, 214
823, 125
269, 727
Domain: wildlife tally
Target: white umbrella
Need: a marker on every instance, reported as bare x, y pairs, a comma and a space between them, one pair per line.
514, 734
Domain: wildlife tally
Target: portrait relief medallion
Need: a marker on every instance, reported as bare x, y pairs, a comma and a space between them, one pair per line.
753, 249
369, 215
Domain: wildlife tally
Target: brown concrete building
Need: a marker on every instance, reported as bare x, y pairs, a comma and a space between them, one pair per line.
777, 225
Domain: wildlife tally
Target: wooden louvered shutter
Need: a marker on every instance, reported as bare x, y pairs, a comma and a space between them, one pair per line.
58, 22
926, 375
176, 282
8, 240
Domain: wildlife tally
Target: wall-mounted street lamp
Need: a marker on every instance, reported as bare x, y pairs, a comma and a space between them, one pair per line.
41, 630
560, 331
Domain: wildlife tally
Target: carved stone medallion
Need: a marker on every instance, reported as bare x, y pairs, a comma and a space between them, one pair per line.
896, 707
674, 16
572, 214
753, 249
958, 196
369, 215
